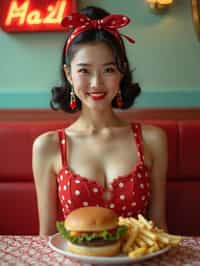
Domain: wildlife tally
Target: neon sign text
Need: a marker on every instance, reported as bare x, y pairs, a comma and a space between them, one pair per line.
32, 15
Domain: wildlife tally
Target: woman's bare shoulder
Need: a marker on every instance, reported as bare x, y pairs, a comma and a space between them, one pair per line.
154, 136
46, 143
153, 133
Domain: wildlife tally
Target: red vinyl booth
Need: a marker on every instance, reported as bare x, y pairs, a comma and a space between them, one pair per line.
18, 205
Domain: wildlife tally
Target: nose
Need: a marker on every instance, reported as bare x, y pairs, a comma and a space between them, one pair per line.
96, 80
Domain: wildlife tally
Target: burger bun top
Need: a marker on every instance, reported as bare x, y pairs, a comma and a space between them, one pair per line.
91, 219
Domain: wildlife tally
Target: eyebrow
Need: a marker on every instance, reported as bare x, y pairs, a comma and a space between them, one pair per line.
105, 64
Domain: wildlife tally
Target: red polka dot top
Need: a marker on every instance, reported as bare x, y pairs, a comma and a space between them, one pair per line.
127, 195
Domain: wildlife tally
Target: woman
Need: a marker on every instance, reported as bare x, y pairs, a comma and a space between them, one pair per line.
99, 160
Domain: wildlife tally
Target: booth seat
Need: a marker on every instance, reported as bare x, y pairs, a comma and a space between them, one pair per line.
18, 206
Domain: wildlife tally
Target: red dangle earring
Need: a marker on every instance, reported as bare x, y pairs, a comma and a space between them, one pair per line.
73, 103
119, 99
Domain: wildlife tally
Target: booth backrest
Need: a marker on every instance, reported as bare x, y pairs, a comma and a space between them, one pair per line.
16, 141
18, 206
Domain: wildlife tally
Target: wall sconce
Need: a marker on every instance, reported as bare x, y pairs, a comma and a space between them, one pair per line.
159, 5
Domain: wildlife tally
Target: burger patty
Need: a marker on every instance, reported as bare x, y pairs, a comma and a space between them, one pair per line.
96, 242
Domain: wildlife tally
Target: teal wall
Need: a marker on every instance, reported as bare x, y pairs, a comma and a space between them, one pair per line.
166, 58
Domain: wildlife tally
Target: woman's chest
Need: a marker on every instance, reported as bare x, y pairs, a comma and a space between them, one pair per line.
104, 157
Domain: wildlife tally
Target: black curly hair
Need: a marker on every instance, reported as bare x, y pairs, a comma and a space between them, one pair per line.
129, 90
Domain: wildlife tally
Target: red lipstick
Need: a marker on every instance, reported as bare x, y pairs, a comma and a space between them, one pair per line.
97, 95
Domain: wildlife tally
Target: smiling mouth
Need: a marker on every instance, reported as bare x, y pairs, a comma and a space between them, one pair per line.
97, 95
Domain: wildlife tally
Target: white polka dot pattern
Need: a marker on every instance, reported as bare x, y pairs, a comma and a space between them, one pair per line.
121, 184
142, 186
85, 203
122, 197
111, 24
77, 192
127, 195
63, 141
139, 175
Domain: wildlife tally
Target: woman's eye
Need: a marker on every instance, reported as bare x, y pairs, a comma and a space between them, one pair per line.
109, 70
83, 70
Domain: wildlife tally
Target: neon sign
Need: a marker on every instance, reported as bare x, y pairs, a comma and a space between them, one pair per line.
34, 15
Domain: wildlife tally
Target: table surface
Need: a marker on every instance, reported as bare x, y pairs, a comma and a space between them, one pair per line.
34, 250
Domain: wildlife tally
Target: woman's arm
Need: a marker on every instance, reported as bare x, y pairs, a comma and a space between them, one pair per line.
157, 143
45, 183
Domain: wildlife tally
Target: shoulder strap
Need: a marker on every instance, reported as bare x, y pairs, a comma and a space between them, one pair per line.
137, 131
63, 146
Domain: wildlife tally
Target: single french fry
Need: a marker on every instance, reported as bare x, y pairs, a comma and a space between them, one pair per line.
152, 249
140, 242
124, 221
151, 223
131, 239
175, 241
171, 236
147, 240
138, 252
145, 222
149, 234
133, 247
156, 246
158, 230
161, 244
134, 222
163, 238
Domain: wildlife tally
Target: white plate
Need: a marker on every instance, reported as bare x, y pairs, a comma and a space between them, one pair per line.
59, 244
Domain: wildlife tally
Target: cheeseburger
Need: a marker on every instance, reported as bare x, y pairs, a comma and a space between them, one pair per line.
92, 231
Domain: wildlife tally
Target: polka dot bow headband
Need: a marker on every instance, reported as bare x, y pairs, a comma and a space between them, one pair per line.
79, 23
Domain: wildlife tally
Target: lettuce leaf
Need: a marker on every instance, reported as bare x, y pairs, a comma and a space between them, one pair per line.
105, 235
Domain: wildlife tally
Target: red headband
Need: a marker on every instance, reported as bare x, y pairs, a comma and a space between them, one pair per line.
80, 23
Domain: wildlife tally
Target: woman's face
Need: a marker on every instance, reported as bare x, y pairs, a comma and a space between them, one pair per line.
94, 75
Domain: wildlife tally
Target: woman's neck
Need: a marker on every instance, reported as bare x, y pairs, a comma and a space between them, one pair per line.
99, 119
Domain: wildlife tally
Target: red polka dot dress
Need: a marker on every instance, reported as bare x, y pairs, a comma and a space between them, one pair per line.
127, 195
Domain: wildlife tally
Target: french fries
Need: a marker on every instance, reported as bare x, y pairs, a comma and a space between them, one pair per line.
143, 237
131, 240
